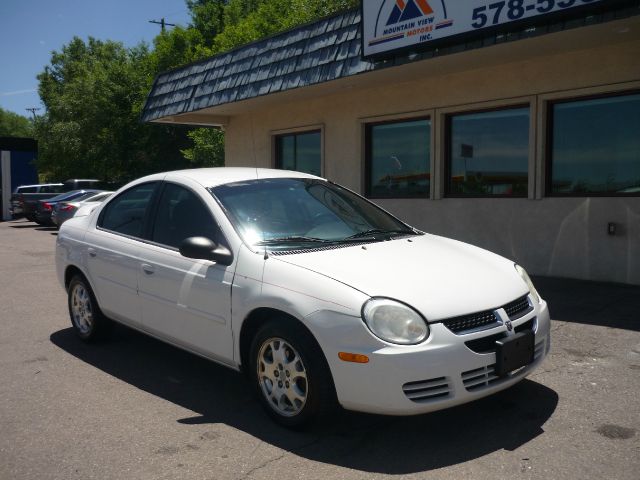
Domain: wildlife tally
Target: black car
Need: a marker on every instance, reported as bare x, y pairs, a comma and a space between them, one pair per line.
45, 207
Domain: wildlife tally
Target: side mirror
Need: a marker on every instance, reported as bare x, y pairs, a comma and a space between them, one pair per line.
205, 249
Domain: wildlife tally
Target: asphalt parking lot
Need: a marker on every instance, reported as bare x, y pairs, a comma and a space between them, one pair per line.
135, 408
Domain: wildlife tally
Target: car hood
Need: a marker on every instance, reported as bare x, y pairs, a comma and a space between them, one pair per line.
440, 277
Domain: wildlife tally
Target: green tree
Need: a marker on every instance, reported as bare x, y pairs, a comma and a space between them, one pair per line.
93, 92
207, 149
177, 47
207, 17
14, 125
249, 20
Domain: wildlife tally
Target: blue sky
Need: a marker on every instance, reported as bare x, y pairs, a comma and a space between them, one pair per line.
31, 29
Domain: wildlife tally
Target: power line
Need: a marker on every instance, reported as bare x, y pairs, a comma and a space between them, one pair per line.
162, 23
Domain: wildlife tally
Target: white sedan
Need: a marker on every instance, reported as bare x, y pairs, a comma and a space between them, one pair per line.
320, 296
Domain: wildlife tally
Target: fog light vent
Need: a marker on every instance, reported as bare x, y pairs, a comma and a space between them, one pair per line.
427, 390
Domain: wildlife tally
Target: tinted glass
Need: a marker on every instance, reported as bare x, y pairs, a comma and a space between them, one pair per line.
300, 210
125, 213
489, 153
26, 189
595, 146
398, 159
300, 152
52, 189
181, 214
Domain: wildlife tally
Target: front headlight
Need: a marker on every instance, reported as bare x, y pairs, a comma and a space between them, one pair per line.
394, 322
534, 293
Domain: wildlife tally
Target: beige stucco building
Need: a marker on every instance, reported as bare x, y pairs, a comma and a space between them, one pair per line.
567, 225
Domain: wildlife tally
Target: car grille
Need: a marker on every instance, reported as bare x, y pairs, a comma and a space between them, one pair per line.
487, 318
484, 377
427, 390
488, 344
518, 308
471, 322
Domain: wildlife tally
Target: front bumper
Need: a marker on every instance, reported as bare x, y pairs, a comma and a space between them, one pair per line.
440, 373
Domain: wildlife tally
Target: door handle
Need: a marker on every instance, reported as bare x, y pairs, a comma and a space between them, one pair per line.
92, 252
148, 269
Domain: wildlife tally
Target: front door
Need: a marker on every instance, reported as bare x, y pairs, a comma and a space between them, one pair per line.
185, 301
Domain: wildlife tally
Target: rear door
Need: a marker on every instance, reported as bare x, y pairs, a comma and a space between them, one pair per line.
184, 300
112, 252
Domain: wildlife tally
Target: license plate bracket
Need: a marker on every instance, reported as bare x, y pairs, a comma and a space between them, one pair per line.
514, 352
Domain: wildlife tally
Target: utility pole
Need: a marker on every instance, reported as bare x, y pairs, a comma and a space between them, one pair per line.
33, 111
162, 23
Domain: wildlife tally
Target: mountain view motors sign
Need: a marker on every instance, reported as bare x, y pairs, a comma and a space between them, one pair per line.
395, 24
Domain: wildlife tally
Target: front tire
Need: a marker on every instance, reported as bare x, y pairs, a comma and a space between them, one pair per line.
291, 375
86, 317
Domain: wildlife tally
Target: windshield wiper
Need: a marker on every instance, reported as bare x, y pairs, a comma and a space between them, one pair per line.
293, 239
376, 231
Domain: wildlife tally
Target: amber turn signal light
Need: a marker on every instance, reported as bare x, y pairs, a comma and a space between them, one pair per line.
353, 357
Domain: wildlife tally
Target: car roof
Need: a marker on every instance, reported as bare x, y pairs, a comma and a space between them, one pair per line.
40, 185
72, 193
211, 177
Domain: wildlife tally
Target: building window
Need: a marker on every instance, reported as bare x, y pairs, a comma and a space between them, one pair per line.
488, 153
398, 159
594, 147
301, 152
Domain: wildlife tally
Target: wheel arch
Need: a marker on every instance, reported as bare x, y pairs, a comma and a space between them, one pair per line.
73, 270
258, 317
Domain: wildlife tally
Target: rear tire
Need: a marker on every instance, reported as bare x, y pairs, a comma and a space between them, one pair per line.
291, 375
86, 317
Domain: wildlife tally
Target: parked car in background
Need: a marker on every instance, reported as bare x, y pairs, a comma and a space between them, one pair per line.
44, 208
319, 295
82, 183
63, 211
31, 194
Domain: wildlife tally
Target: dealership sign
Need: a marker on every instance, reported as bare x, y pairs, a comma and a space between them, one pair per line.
396, 24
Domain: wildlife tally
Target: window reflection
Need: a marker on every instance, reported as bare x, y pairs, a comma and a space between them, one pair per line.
300, 152
489, 153
595, 146
398, 159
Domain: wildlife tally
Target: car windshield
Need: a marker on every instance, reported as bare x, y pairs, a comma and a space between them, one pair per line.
282, 212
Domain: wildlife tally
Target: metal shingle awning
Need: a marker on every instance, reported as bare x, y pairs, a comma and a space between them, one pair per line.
318, 52
315, 53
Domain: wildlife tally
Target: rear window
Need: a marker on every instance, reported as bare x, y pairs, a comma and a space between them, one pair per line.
51, 188
26, 189
125, 213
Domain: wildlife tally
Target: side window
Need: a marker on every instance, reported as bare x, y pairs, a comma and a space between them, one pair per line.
488, 153
398, 158
125, 213
594, 145
181, 214
299, 151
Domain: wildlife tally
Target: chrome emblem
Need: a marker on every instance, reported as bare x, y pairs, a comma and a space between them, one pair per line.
509, 325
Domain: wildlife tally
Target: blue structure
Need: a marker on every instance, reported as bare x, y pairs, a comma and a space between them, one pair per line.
17, 167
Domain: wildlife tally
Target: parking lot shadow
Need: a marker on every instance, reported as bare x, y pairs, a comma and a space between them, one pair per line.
370, 443
25, 225
591, 303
